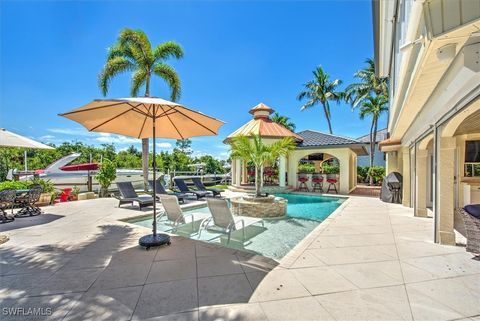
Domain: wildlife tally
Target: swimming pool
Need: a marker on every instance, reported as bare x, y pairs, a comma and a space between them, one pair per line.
278, 236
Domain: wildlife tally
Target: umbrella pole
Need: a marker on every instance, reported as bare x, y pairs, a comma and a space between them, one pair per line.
154, 239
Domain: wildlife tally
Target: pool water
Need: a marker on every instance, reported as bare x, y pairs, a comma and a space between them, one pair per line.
278, 236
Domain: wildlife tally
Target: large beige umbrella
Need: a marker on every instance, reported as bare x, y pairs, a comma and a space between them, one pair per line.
145, 117
9, 139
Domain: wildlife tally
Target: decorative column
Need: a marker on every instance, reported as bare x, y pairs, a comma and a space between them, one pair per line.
234, 172
446, 182
421, 183
238, 167
406, 176
281, 171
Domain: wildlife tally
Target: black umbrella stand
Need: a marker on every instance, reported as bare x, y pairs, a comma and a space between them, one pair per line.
154, 239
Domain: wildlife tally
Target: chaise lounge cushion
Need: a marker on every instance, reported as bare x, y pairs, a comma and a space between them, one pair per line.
473, 210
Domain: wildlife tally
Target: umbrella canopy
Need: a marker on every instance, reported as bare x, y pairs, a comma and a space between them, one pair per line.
9, 139
135, 117
145, 117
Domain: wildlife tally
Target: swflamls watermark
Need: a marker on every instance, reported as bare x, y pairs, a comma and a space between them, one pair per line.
32, 311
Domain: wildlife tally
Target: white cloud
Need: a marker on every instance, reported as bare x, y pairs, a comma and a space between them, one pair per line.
71, 131
164, 145
115, 139
46, 137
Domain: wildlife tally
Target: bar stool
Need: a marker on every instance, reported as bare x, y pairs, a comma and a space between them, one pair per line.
303, 179
317, 182
332, 181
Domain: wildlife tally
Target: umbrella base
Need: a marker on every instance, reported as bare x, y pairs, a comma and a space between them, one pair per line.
151, 240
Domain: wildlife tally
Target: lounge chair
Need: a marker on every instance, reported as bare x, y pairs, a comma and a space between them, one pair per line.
160, 190
7, 199
182, 186
128, 196
174, 213
222, 219
471, 219
27, 202
199, 185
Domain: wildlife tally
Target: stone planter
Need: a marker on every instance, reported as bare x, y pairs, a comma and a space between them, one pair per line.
253, 206
45, 199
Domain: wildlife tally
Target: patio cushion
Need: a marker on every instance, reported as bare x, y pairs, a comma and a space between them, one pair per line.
473, 209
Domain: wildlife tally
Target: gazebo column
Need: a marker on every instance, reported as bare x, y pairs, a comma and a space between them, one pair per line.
244, 173
233, 172
446, 189
281, 171
238, 172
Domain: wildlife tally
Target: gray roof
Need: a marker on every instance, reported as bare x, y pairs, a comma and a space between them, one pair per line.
382, 134
313, 138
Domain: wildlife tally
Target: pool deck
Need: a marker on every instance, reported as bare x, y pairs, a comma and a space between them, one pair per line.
368, 261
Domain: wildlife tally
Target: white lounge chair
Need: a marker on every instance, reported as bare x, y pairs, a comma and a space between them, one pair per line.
174, 213
223, 219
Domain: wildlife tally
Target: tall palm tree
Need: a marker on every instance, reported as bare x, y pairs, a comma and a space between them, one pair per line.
252, 149
133, 53
321, 90
284, 121
368, 84
373, 106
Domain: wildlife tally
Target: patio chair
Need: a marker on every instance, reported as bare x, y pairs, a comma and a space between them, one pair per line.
7, 200
332, 182
27, 202
160, 190
303, 179
317, 182
128, 196
223, 220
174, 213
472, 227
182, 186
63, 197
199, 185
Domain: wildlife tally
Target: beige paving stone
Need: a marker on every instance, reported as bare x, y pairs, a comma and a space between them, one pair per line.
414, 274
352, 240
218, 265
323, 280
163, 271
277, 285
426, 308
307, 259
408, 249
184, 316
370, 275
357, 254
461, 294
304, 309
447, 265
165, 298
224, 289
122, 275
255, 278
180, 249
386, 303
205, 249
240, 312
112, 304
253, 263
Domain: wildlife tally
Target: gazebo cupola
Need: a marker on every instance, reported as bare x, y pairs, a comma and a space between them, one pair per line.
262, 125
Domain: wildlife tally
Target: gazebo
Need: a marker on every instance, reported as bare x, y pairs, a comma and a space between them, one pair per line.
313, 147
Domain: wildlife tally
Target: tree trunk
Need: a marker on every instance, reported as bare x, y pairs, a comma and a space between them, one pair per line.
373, 140
145, 162
372, 148
327, 117
145, 145
257, 182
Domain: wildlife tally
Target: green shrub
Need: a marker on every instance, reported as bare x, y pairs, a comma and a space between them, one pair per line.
47, 185
330, 169
362, 174
106, 175
15, 185
377, 172
306, 168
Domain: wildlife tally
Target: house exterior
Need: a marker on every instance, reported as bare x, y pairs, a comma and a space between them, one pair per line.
430, 50
312, 146
380, 157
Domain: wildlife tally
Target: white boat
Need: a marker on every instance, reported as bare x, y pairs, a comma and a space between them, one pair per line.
63, 175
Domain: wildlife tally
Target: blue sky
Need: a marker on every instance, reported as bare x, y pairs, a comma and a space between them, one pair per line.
237, 54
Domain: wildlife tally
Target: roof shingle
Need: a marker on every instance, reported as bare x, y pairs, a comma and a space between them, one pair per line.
313, 138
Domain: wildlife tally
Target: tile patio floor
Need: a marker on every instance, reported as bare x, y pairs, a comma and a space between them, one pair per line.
368, 261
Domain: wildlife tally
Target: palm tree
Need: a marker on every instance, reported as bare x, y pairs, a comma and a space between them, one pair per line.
284, 121
133, 53
373, 106
252, 149
321, 90
369, 84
